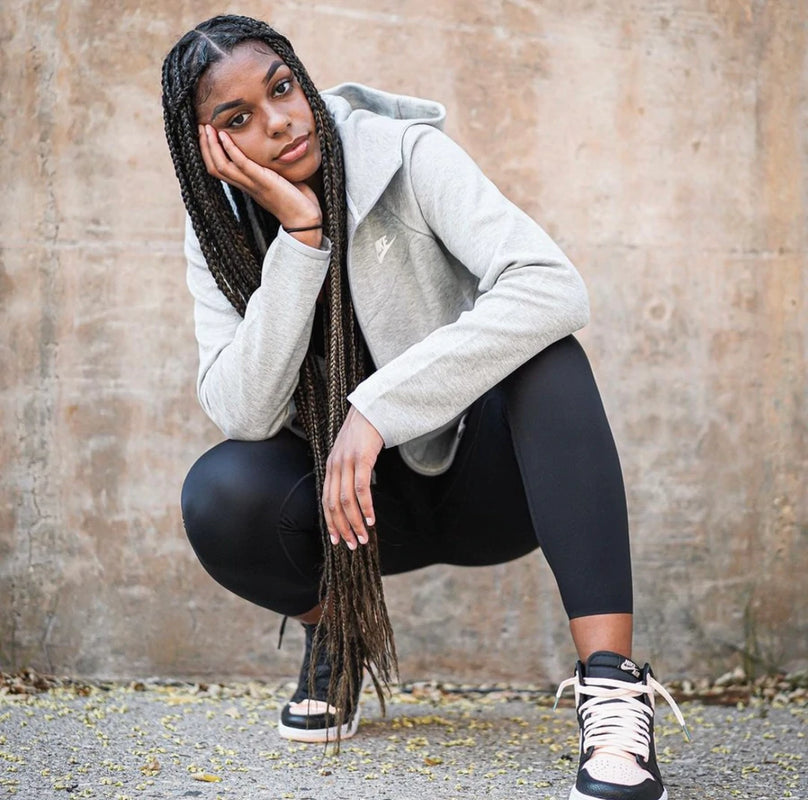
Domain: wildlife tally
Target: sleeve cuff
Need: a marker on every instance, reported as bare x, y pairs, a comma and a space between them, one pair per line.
322, 253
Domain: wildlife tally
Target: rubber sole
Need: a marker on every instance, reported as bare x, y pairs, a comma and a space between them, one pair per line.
576, 795
319, 735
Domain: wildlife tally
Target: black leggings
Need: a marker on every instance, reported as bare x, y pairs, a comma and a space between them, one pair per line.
537, 466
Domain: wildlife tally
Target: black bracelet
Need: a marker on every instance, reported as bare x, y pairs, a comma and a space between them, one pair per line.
300, 230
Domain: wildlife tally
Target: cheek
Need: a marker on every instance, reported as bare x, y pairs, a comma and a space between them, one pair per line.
254, 146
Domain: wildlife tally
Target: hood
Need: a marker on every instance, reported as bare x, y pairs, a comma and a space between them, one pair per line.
371, 125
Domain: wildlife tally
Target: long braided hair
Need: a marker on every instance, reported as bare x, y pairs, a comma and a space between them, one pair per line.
355, 626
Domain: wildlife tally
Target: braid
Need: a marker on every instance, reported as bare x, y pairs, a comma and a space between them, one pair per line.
355, 625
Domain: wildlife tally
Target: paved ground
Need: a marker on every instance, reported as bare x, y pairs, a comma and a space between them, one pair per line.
186, 741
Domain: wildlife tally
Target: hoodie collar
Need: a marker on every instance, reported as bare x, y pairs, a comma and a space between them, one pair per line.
371, 125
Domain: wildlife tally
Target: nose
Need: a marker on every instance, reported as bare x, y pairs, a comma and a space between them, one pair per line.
277, 120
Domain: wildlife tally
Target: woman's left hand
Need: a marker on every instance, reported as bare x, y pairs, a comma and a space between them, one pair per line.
347, 503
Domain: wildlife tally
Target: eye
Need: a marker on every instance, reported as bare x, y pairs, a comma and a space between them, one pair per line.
239, 121
283, 87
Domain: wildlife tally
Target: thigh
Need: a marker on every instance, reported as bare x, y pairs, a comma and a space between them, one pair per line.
250, 513
252, 516
481, 513
405, 520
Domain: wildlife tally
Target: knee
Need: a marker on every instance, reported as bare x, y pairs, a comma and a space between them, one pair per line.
216, 486
238, 491
559, 375
250, 514
562, 359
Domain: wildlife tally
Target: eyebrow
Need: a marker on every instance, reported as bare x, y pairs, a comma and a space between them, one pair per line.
273, 68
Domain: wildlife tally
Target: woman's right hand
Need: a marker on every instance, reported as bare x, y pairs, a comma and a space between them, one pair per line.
294, 205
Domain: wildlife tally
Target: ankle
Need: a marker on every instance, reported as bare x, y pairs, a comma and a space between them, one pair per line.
595, 632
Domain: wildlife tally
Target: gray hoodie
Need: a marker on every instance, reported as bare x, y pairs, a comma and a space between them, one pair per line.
454, 287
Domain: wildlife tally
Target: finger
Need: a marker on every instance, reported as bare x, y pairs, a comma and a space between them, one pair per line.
349, 503
218, 163
327, 505
332, 507
362, 478
204, 147
252, 174
220, 159
208, 145
234, 154
212, 154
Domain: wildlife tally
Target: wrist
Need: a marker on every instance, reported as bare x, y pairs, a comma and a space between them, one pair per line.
310, 218
304, 229
311, 238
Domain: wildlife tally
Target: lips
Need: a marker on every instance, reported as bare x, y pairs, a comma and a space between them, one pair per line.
296, 149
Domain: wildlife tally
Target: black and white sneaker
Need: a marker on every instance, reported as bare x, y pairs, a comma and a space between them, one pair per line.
615, 703
312, 719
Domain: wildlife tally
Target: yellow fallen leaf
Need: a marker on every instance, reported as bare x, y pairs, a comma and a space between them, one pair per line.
204, 776
179, 700
152, 768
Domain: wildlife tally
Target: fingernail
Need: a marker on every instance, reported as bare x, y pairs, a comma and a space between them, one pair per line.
351, 545
362, 539
368, 521
334, 539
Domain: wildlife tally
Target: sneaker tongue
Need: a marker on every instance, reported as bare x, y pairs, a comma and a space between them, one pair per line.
604, 664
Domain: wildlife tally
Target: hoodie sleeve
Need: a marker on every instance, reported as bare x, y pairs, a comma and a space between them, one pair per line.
248, 368
529, 296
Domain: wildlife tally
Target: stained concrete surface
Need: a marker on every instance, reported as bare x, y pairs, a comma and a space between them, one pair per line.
213, 742
663, 143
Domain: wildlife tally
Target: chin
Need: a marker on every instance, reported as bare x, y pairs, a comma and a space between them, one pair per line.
301, 171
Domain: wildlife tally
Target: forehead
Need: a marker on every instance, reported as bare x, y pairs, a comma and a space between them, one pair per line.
235, 73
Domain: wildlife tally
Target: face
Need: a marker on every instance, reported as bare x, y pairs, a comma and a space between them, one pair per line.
253, 96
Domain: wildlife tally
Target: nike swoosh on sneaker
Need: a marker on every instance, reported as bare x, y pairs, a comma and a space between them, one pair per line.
630, 666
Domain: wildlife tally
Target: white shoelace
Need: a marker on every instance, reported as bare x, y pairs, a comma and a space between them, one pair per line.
618, 727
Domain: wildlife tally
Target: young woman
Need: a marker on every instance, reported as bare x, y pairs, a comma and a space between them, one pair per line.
385, 341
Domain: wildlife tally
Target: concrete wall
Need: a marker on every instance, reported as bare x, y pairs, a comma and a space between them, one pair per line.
662, 143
